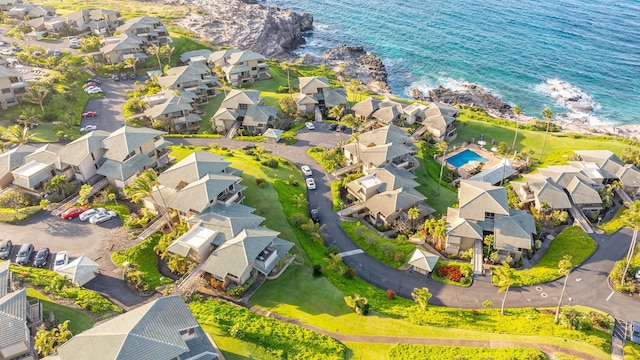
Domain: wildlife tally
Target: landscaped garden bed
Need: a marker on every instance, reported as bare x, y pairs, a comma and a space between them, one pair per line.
453, 273
393, 252
438, 352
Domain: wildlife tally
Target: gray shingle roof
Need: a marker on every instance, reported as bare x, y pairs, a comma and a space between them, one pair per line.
366, 107
259, 115
124, 170
389, 202
75, 152
4, 278
477, 198
199, 194
310, 84
582, 193
192, 168
13, 319
629, 175
46, 154
424, 260
514, 231
14, 158
228, 220
151, 331
127, 139
494, 175
78, 269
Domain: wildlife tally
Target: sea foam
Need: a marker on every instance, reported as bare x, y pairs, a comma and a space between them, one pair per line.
580, 106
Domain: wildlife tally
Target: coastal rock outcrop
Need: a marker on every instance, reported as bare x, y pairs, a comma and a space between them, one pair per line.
244, 24
468, 94
353, 62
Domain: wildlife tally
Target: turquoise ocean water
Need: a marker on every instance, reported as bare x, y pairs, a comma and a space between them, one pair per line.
579, 57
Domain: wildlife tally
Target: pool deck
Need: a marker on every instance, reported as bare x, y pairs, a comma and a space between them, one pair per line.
466, 171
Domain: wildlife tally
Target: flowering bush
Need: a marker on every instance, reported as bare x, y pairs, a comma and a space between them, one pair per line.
450, 272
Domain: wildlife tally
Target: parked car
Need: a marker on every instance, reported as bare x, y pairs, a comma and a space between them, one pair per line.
88, 128
115, 77
637, 275
132, 76
310, 125
103, 216
62, 259
635, 332
315, 215
7, 52
311, 184
85, 89
94, 90
24, 254
90, 84
5, 249
97, 81
89, 213
89, 114
74, 212
75, 46
42, 257
249, 147
332, 127
57, 53
306, 170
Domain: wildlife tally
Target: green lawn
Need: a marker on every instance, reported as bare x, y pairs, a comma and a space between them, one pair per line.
631, 351
572, 241
391, 252
615, 224
78, 320
436, 352
12, 216
143, 257
429, 186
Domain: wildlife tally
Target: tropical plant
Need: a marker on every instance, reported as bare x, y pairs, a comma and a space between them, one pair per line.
143, 188
631, 219
155, 50
83, 194
58, 185
36, 93
167, 50
299, 201
413, 214
421, 297
505, 278
337, 112
547, 114
131, 62
564, 269
17, 135
442, 147
47, 342
316, 230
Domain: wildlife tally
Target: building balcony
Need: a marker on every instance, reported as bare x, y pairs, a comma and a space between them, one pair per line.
231, 196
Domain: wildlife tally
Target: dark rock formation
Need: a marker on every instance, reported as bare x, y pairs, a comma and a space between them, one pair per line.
472, 95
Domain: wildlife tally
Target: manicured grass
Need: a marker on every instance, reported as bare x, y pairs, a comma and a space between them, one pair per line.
78, 320
143, 257
121, 209
469, 129
381, 248
572, 241
12, 216
436, 352
128, 9
209, 109
366, 350
631, 351
615, 224
429, 186
266, 338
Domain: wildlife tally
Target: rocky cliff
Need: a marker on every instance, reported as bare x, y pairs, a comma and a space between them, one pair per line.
353, 62
243, 24
468, 94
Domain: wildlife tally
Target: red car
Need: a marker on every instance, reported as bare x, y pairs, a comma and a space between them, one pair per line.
88, 84
89, 114
74, 212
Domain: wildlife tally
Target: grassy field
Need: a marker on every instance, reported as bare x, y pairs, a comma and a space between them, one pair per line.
572, 241
78, 320
615, 224
13, 216
429, 187
631, 351
435, 352
143, 257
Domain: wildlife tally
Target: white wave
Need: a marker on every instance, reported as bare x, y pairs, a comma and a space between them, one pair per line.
425, 85
580, 106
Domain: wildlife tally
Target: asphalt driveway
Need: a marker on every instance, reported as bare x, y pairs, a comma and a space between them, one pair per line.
109, 106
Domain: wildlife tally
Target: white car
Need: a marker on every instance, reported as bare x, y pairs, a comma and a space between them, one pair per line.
103, 216
7, 52
310, 125
311, 184
93, 90
306, 170
89, 213
638, 275
62, 259
88, 128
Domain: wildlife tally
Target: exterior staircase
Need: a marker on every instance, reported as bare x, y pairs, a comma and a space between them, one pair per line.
234, 129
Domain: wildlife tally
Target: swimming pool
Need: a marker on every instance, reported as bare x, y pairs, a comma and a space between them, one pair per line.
462, 158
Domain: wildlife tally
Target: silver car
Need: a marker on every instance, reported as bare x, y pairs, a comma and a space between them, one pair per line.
103, 216
91, 212
24, 254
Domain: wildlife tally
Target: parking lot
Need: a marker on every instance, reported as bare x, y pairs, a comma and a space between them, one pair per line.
108, 106
74, 236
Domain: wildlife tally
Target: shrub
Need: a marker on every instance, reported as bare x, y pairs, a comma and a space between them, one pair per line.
358, 304
298, 219
262, 183
391, 294
350, 273
449, 272
317, 270
272, 163
333, 249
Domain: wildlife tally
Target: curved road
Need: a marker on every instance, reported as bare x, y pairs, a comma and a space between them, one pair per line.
587, 284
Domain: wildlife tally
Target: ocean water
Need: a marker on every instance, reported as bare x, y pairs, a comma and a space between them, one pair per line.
581, 58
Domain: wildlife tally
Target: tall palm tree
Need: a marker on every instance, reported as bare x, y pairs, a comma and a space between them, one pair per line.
222, 77
131, 62
316, 230
17, 135
517, 111
143, 188
337, 112
155, 50
442, 146
546, 113
413, 214
36, 93
355, 87
421, 297
167, 51
505, 279
564, 269
285, 65
631, 219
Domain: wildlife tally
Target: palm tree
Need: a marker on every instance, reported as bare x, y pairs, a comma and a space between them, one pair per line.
517, 111
17, 135
631, 219
564, 269
57, 185
143, 188
222, 77
546, 113
355, 87
131, 62
167, 51
421, 297
287, 66
299, 200
442, 146
488, 241
504, 280
316, 230
155, 50
335, 262
337, 112
29, 115
37, 93
91, 63
413, 214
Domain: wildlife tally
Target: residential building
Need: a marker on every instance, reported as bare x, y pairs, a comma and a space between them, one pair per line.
317, 88
81, 158
251, 252
39, 167
117, 48
423, 262
163, 329
388, 206
195, 56
542, 191
12, 87
11, 160
150, 29
439, 120
195, 77
5, 5
240, 66
174, 109
613, 168
23, 11
245, 107
130, 151
100, 22
380, 147
483, 210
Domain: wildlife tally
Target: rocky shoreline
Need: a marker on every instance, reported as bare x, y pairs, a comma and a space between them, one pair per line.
277, 33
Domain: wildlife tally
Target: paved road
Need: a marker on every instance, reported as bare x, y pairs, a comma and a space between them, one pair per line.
587, 284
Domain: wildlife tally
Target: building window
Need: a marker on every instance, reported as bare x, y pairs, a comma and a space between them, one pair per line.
243, 107
489, 215
188, 334
6, 90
